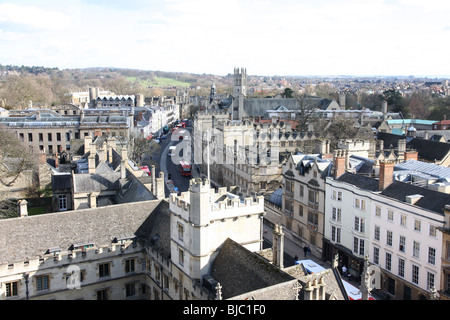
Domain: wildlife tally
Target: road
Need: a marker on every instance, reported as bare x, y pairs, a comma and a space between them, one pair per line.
168, 166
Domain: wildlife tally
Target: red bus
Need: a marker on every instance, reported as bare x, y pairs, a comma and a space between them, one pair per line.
185, 168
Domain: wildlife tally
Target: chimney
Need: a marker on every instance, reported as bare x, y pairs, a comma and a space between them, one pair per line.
339, 163
152, 172
22, 208
278, 246
93, 200
386, 174
160, 194
384, 108
401, 146
56, 161
411, 155
91, 163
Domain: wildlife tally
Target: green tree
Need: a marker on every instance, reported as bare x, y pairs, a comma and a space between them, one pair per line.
395, 101
288, 93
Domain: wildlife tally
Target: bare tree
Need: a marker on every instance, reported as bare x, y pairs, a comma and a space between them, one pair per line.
15, 158
305, 114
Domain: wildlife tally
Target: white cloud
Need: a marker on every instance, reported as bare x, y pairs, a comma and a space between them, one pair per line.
266, 36
32, 17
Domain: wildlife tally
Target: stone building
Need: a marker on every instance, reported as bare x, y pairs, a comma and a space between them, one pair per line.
50, 132
200, 245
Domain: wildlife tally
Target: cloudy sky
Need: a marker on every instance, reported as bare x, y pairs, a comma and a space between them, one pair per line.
268, 37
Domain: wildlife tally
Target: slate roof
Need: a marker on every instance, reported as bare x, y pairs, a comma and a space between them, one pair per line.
85, 182
30, 237
432, 200
427, 150
239, 271
359, 181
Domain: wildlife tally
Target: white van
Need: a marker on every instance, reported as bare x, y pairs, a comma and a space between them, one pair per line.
172, 151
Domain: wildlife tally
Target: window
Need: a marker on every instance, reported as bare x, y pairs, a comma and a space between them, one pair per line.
360, 204
42, 283
180, 231
313, 218
388, 262
263, 185
432, 231
389, 238
401, 267
415, 274
403, 220
416, 249
62, 200
417, 225
129, 265
358, 246
432, 256
181, 256
103, 294
41, 137
377, 233
402, 244
336, 214
301, 191
49, 136
58, 136
67, 136
130, 289
359, 224
336, 195
30, 137
336, 234
21, 136
288, 205
313, 196
166, 282
12, 289
390, 215
430, 280
300, 210
103, 270
376, 255
378, 211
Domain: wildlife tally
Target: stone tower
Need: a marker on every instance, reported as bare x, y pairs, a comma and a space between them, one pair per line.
202, 219
239, 92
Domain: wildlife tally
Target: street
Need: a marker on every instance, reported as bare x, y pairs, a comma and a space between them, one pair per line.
168, 165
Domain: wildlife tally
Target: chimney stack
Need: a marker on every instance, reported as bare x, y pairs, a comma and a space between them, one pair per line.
339, 163
411, 155
386, 174
278, 246
22, 208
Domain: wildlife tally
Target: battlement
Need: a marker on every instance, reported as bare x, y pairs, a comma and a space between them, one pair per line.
223, 203
58, 257
212, 112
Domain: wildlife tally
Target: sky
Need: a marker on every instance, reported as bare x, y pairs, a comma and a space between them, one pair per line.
267, 37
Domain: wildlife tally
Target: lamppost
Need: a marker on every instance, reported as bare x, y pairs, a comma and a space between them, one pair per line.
26, 276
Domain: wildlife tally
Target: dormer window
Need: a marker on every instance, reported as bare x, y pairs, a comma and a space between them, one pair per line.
81, 246
53, 250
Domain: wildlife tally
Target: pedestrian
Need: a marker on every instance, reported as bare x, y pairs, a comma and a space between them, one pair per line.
306, 250
344, 271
